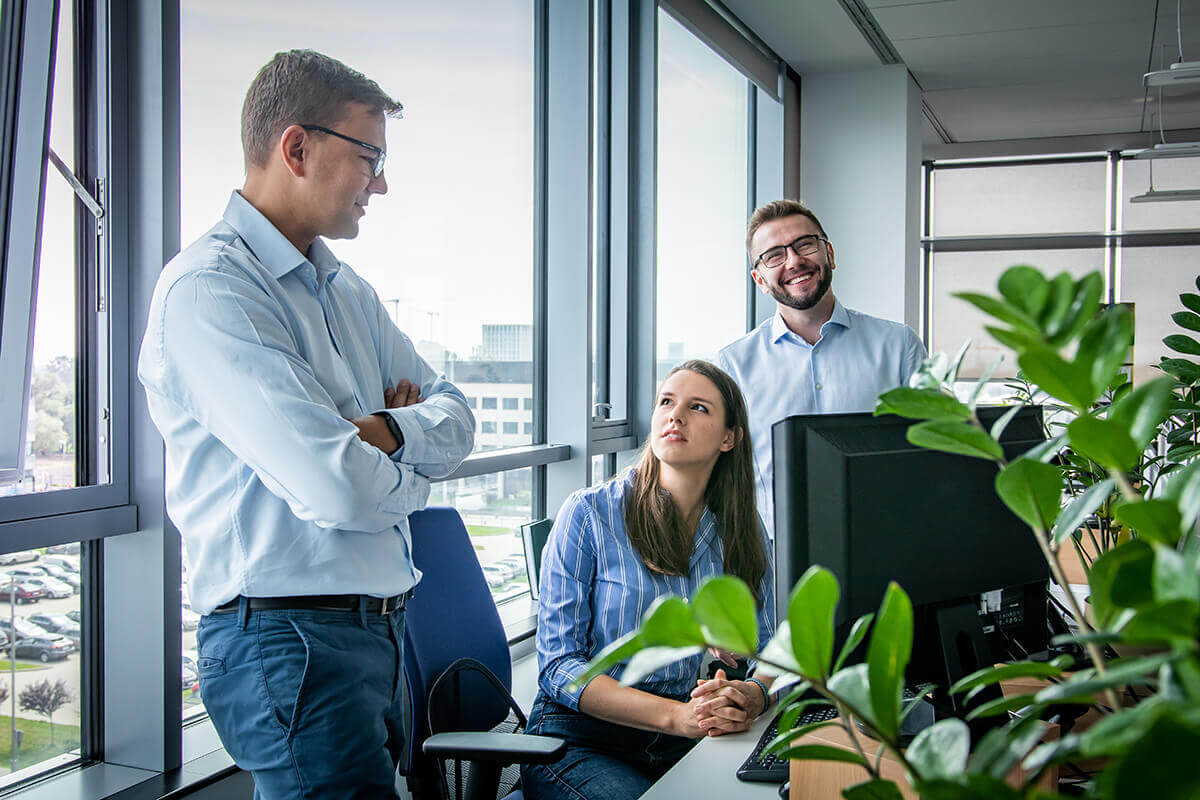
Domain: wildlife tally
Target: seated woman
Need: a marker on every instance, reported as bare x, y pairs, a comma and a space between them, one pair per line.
684, 513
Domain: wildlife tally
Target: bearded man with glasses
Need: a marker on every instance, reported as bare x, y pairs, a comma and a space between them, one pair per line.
814, 356
301, 430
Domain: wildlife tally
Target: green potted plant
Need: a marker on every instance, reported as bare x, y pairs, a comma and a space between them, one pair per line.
1145, 588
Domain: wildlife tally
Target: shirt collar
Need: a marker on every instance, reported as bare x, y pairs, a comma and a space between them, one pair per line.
840, 316
270, 246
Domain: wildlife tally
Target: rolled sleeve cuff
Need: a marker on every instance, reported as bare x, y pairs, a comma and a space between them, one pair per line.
560, 680
411, 495
414, 435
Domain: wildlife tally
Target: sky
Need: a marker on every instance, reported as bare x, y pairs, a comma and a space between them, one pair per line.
452, 241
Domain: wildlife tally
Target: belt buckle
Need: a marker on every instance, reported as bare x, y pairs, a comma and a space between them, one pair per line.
383, 606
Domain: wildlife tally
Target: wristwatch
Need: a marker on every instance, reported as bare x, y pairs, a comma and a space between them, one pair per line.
392, 427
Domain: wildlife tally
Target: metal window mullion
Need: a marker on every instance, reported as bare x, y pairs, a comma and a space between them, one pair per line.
751, 190
602, 211
541, 33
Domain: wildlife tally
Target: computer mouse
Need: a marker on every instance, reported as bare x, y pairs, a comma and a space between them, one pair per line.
784, 789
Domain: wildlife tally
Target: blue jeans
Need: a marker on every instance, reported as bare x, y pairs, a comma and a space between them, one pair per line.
310, 702
604, 761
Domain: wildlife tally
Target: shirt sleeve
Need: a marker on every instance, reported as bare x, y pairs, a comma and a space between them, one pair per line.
439, 432
766, 593
565, 604
225, 357
914, 355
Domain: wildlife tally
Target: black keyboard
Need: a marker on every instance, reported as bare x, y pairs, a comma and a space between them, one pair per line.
770, 768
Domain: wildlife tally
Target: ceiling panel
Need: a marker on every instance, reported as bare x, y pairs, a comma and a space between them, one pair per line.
812, 36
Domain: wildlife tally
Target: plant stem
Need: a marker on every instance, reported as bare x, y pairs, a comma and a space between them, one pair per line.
1127, 491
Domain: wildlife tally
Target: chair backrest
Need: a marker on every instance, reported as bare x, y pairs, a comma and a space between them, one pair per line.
451, 615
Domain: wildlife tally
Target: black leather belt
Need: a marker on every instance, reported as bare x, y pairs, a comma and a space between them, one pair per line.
321, 602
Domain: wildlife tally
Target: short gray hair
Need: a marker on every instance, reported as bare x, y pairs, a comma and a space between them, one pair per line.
303, 87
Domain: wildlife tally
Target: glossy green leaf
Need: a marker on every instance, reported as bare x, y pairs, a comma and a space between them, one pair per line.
1105, 442
777, 660
652, 659
1191, 301
858, 632
960, 438
921, 404
1187, 319
783, 740
668, 622
1116, 574
852, 686
874, 789
967, 787
1031, 490
941, 750
1182, 343
992, 675
1051, 752
1001, 310
822, 752
1156, 520
1059, 378
1186, 371
1054, 316
620, 650
1105, 345
1142, 410
1002, 748
792, 711
1084, 307
887, 657
1001, 706
1118, 674
1017, 339
1162, 763
1170, 622
982, 382
1047, 450
1079, 509
997, 429
1025, 287
1184, 489
1174, 576
1113, 734
724, 608
1183, 453
810, 615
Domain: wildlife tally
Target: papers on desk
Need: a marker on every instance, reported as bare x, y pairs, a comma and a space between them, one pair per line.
1081, 591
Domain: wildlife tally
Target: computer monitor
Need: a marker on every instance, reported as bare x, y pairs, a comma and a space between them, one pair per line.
853, 495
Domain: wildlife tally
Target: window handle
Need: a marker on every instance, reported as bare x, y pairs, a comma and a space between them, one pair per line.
85, 197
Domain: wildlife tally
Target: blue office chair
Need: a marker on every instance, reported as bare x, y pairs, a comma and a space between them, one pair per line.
466, 731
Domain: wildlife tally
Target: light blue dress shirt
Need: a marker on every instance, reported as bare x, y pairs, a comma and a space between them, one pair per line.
595, 589
857, 358
255, 358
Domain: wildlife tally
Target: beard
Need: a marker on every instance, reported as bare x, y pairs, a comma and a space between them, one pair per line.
824, 281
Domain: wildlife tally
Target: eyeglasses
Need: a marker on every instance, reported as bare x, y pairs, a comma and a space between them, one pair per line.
380, 155
776, 257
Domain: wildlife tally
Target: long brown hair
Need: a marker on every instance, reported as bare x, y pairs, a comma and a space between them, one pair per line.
658, 531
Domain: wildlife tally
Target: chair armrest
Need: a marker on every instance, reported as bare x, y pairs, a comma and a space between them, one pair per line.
504, 748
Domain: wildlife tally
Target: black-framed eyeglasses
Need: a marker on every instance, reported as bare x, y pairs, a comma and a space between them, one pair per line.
776, 257
380, 155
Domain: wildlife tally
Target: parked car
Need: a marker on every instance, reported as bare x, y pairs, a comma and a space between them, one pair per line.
51, 587
495, 576
15, 590
70, 548
516, 563
69, 563
190, 675
64, 575
3, 641
43, 648
18, 557
24, 629
191, 620
75, 615
60, 624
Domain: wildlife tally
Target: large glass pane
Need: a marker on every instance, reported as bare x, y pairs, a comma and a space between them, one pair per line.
50, 455
702, 106
1026, 198
955, 321
494, 507
449, 248
1169, 174
1152, 278
40, 689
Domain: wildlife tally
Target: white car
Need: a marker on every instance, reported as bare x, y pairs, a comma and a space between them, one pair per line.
191, 620
494, 575
18, 556
68, 563
53, 587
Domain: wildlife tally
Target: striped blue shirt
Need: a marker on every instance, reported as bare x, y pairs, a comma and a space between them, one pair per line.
595, 589
255, 358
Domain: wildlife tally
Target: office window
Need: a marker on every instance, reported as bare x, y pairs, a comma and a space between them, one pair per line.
1024, 198
510, 403
487, 426
702, 168
473, 402
41, 697
954, 321
494, 507
527, 403
1152, 278
528, 428
489, 402
510, 427
1169, 173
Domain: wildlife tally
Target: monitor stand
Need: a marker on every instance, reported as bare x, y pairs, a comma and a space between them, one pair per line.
965, 649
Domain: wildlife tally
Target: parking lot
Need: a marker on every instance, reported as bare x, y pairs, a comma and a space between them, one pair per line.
66, 670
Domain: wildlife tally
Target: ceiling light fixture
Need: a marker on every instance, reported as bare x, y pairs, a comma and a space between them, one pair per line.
1166, 195
1170, 150
1181, 72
